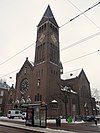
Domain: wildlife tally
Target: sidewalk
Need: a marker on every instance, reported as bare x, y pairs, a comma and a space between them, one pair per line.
36, 129
89, 126
52, 128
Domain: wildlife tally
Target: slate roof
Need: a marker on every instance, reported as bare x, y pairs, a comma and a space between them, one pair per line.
3, 85
72, 74
32, 63
48, 15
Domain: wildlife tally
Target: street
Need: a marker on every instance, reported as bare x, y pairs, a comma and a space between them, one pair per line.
18, 126
5, 129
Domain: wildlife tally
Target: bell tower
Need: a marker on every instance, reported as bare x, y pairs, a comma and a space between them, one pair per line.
47, 57
47, 44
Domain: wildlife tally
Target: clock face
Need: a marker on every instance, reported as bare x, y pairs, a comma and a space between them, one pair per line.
53, 38
41, 37
24, 85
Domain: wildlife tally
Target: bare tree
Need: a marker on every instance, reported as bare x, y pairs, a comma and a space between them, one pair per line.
63, 96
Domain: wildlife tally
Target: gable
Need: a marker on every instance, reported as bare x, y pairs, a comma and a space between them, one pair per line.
78, 73
27, 66
83, 76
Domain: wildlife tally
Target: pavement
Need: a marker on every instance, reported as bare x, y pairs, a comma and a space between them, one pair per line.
36, 129
77, 127
53, 128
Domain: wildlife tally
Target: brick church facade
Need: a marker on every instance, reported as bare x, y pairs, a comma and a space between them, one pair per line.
40, 81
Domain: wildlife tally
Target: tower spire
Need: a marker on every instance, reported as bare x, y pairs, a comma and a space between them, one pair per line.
48, 15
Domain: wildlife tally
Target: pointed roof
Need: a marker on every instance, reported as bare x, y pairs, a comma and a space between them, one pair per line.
48, 15
72, 74
30, 63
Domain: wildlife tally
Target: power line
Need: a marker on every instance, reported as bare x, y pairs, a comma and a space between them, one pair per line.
89, 37
76, 43
73, 44
83, 14
63, 62
17, 54
81, 41
9, 73
81, 57
80, 14
51, 33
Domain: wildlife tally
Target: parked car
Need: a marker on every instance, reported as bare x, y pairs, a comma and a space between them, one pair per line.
78, 118
23, 115
14, 113
89, 118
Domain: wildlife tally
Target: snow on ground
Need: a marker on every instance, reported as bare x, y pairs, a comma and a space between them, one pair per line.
48, 120
62, 121
15, 119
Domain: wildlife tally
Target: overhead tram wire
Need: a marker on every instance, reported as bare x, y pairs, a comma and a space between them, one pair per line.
81, 41
17, 54
85, 39
59, 27
72, 45
63, 62
84, 14
51, 33
80, 14
9, 73
81, 57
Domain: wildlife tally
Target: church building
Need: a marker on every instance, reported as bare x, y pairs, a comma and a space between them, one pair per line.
39, 81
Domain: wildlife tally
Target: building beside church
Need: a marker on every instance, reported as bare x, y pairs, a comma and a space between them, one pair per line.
10, 98
4, 88
40, 81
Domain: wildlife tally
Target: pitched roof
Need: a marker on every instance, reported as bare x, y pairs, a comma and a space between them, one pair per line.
3, 85
48, 15
32, 63
72, 74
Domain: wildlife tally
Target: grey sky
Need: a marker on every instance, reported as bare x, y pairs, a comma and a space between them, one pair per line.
18, 21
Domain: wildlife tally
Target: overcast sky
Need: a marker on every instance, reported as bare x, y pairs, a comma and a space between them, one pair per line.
18, 30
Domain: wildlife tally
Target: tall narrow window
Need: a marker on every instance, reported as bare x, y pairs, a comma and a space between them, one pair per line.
0, 100
38, 97
25, 70
1, 93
